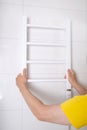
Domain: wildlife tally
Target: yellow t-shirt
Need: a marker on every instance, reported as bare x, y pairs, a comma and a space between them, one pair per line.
76, 110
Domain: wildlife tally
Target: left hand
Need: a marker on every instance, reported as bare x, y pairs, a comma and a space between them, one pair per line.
21, 79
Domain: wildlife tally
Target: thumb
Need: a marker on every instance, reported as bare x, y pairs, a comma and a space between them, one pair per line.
24, 72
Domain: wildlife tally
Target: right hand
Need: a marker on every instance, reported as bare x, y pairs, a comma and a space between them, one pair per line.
72, 77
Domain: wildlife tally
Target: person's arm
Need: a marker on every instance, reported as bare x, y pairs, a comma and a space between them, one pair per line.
33, 103
48, 113
73, 80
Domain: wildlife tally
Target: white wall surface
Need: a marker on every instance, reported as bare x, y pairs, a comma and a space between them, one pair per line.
14, 113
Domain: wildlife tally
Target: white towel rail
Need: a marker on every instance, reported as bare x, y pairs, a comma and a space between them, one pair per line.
46, 44
45, 27
67, 30
46, 62
46, 80
67, 44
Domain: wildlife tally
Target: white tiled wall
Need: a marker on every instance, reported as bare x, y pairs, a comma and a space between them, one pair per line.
14, 113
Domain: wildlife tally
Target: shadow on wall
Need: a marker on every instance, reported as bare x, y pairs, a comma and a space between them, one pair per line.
48, 97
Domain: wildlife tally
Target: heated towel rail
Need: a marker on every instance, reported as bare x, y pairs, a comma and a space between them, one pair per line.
67, 45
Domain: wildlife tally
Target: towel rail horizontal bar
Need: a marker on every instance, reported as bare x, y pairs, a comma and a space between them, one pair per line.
46, 62
47, 73
46, 44
46, 80
46, 27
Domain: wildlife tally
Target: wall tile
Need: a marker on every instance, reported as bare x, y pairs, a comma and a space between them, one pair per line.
55, 95
51, 53
11, 1
11, 56
11, 97
86, 26
52, 16
10, 120
86, 5
68, 4
78, 31
39, 35
11, 21
79, 57
84, 128
82, 79
29, 121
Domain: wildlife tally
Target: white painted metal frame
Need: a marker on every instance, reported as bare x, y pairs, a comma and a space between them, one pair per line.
45, 27
46, 62
68, 65
67, 62
46, 44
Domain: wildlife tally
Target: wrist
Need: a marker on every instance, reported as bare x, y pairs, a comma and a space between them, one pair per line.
23, 87
75, 85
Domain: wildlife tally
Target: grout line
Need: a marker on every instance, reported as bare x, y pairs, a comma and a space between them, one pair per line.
85, 5
1, 38
55, 8
9, 74
14, 38
22, 114
86, 11
11, 4
23, 7
10, 109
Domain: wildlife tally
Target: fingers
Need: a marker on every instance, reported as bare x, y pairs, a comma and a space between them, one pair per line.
71, 72
18, 75
24, 72
64, 76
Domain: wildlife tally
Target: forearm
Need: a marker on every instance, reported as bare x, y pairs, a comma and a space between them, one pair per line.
33, 103
36, 106
81, 89
73, 80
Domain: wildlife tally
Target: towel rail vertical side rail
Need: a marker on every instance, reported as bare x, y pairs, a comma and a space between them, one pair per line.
68, 58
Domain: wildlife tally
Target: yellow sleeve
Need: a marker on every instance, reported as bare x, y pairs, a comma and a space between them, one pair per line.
76, 110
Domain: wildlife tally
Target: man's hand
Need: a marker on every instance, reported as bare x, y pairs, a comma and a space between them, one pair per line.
73, 80
21, 79
72, 77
